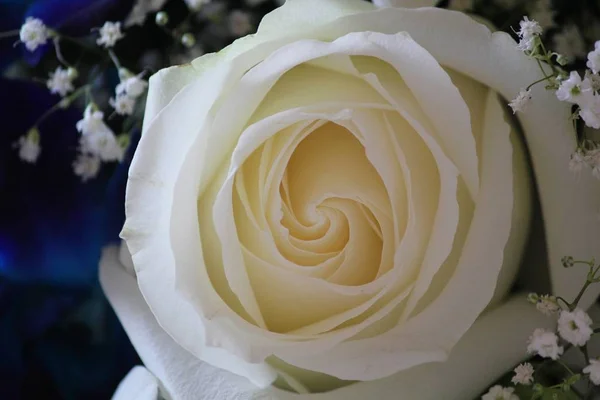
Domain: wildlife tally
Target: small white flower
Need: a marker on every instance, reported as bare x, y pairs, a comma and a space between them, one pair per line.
577, 161
239, 23
593, 57
60, 81
521, 102
547, 305
593, 370
590, 112
593, 79
569, 42
102, 144
529, 28
92, 121
545, 344
110, 33
574, 90
523, 374
34, 33
123, 104
29, 146
500, 393
86, 166
575, 327
132, 86
195, 5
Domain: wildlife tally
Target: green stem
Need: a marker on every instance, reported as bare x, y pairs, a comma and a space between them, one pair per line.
114, 59
7, 34
548, 58
539, 63
573, 305
565, 366
564, 301
59, 54
60, 104
538, 81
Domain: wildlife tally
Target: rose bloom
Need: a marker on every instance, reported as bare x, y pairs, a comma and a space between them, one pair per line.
340, 204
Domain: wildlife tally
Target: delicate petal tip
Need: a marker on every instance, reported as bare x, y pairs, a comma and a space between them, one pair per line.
138, 384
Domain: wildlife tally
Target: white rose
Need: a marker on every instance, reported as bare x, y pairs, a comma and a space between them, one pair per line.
340, 195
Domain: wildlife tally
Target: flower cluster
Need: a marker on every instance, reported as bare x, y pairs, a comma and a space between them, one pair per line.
582, 92
574, 330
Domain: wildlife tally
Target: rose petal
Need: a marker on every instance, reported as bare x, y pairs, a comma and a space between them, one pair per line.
138, 384
174, 366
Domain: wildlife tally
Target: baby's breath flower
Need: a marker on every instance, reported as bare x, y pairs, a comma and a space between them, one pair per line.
500, 393
86, 166
60, 81
102, 144
92, 121
593, 79
575, 90
33, 33
29, 146
520, 103
593, 58
567, 261
529, 27
575, 327
593, 370
547, 305
123, 104
545, 344
528, 32
110, 33
132, 86
523, 374
590, 112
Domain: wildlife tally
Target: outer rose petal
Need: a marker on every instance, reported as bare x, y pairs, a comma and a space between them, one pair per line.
467, 372
139, 384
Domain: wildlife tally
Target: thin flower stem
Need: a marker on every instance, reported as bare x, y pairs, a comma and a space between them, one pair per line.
575, 302
565, 366
59, 54
114, 59
567, 304
7, 34
548, 58
539, 63
538, 81
60, 104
